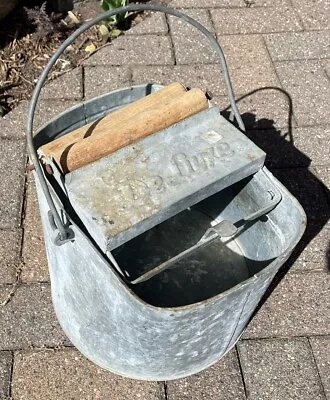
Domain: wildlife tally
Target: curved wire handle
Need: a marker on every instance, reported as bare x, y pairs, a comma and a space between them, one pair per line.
64, 232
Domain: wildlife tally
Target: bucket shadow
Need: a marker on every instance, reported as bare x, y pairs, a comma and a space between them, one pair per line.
291, 167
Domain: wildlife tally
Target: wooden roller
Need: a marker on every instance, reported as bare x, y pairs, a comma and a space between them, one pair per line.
116, 118
113, 136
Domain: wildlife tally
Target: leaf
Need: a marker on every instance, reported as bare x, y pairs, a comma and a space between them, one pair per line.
116, 32
105, 5
104, 31
90, 48
73, 17
108, 5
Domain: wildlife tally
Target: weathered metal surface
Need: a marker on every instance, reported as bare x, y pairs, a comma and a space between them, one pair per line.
122, 332
184, 319
128, 192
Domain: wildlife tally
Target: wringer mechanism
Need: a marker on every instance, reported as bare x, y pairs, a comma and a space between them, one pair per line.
148, 174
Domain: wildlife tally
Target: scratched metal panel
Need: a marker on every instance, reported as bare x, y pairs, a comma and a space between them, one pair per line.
130, 191
109, 322
111, 326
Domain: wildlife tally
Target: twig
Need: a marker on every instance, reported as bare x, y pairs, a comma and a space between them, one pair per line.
24, 79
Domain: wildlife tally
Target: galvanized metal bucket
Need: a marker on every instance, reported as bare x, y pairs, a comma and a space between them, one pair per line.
181, 320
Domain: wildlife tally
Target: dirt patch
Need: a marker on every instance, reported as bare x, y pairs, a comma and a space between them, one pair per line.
30, 35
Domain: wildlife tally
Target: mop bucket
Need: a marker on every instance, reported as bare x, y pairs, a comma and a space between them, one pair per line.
172, 299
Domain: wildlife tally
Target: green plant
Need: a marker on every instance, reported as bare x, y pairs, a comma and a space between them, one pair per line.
108, 5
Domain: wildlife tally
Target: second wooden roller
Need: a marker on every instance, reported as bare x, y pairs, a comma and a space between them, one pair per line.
114, 137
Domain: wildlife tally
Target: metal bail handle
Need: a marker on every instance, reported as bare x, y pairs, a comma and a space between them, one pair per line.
64, 232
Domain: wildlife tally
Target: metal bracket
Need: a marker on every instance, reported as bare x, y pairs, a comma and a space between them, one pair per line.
57, 236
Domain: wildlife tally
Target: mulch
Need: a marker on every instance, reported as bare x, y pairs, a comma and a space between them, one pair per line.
30, 35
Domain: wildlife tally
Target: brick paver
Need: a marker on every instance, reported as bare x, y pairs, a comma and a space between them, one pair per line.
10, 248
315, 14
298, 45
5, 373
309, 146
265, 108
280, 369
312, 249
12, 165
190, 46
66, 374
242, 53
101, 80
314, 141
255, 20
48, 109
222, 381
13, 125
34, 266
309, 87
326, 64
298, 306
206, 77
321, 350
183, 28
193, 49
278, 53
143, 49
28, 319
155, 23
309, 191
324, 175
65, 87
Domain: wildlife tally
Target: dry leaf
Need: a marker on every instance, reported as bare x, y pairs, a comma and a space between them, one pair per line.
104, 31
73, 17
90, 48
116, 32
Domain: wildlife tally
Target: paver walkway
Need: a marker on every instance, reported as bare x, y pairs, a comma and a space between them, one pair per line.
278, 52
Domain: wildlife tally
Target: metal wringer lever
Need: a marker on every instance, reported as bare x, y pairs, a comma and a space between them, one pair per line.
222, 229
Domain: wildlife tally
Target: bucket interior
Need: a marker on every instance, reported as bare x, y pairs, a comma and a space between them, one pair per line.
210, 270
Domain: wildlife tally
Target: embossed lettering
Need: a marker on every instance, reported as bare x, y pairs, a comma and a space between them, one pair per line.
182, 163
186, 167
222, 150
156, 184
138, 188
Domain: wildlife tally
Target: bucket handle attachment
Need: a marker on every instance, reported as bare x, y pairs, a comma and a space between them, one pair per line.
64, 232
